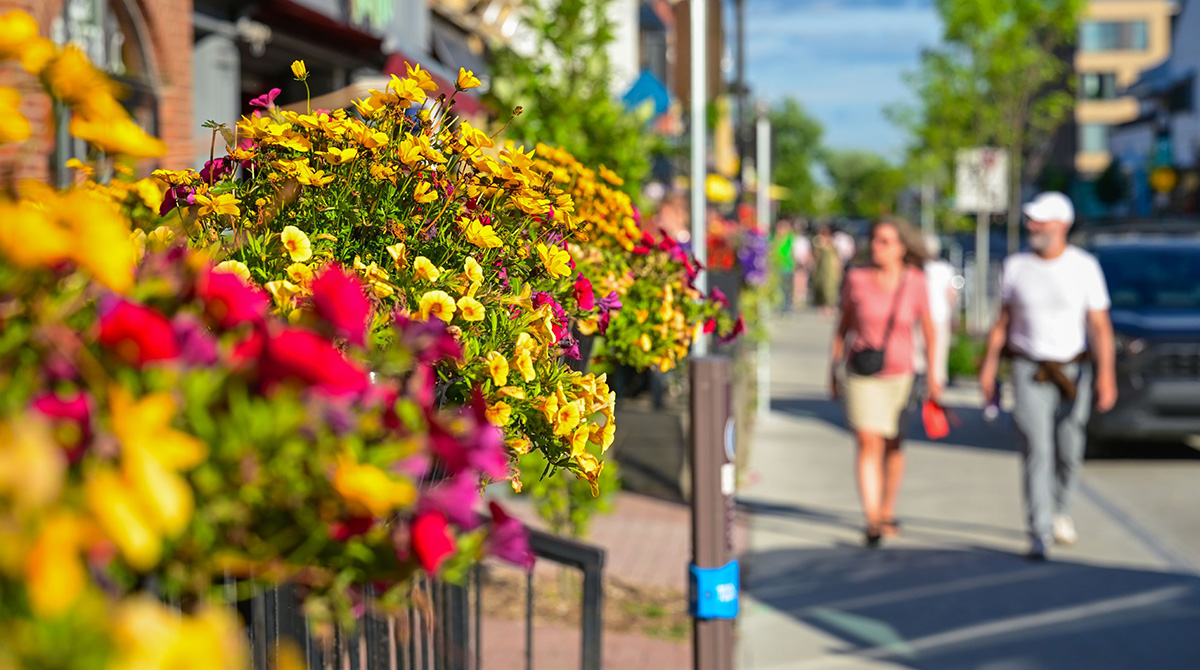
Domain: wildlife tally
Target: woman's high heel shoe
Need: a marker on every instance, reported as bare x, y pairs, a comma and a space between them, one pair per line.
873, 536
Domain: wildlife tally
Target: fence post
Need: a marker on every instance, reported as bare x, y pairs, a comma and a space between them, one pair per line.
713, 479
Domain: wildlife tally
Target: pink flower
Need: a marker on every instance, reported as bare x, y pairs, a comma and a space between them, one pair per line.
584, 294
509, 539
266, 100
475, 445
431, 541
350, 527
710, 326
455, 498
338, 299
738, 329
305, 357
719, 295
228, 301
71, 416
137, 334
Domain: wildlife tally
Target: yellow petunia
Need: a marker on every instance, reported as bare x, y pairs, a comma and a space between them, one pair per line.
497, 368
514, 392
234, 267
336, 156
112, 504
299, 70
54, 571
579, 439
470, 309
296, 244
226, 203
117, 135
524, 364
644, 342
481, 235
425, 269
520, 445
555, 260
300, 274
424, 193
474, 270
437, 304
283, 292
397, 251
499, 414
368, 490
14, 127
589, 326
466, 80
567, 418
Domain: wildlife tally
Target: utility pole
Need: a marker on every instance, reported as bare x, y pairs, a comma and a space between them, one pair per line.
699, 55
765, 223
743, 115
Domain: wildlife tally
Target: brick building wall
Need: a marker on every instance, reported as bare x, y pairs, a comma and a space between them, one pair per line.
168, 24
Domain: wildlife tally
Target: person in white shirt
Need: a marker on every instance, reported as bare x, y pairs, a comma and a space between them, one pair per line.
844, 243
1054, 304
939, 279
802, 254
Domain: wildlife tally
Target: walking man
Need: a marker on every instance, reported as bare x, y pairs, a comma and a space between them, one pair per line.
1054, 305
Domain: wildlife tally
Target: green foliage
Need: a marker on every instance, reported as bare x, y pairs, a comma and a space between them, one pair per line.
965, 354
565, 501
565, 90
866, 185
797, 140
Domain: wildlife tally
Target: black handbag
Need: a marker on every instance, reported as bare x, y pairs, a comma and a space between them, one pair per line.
869, 362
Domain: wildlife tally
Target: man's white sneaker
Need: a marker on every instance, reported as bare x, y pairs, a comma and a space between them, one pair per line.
1064, 530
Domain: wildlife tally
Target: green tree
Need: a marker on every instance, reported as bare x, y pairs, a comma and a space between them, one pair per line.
797, 140
865, 184
998, 79
565, 90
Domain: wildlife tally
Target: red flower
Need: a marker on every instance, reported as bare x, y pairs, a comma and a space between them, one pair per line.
710, 326
352, 527
584, 294
303, 356
138, 334
431, 541
338, 298
738, 329
228, 301
71, 417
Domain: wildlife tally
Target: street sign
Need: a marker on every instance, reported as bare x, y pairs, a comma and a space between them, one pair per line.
981, 180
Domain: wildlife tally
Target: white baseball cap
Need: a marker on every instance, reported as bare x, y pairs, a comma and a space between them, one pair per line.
1050, 206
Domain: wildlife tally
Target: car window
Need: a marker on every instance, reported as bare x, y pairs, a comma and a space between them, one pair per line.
1152, 278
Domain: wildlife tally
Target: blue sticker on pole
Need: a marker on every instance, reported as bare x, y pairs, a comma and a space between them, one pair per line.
715, 591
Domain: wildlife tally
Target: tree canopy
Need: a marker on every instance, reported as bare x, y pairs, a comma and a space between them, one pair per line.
865, 184
797, 149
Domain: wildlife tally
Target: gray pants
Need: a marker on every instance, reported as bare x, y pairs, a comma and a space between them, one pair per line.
1053, 436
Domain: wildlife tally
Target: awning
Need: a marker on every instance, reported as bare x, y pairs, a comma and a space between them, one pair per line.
324, 32
1159, 80
467, 103
648, 87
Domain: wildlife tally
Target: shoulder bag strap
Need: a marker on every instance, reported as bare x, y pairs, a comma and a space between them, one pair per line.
887, 333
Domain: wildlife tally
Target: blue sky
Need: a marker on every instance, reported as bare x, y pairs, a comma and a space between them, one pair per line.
843, 59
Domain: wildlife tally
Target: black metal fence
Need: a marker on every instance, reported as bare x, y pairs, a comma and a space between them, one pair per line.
442, 630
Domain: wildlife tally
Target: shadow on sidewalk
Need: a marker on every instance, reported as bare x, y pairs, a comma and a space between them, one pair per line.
913, 526
971, 431
977, 608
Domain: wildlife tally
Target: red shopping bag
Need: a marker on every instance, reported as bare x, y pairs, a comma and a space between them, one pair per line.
937, 424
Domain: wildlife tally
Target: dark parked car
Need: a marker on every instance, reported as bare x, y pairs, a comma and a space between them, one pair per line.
1155, 290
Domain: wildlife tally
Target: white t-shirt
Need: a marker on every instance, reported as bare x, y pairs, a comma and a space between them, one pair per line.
1049, 301
844, 245
939, 277
802, 251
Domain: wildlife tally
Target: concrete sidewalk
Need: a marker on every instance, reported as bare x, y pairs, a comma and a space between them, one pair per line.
953, 592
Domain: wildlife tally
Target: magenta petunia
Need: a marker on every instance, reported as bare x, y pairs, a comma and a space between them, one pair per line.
584, 294
137, 333
230, 302
508, 539
266, 100
338, 298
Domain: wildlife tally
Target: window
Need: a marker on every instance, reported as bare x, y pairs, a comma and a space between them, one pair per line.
1114, 36
1098, 86
1093, 137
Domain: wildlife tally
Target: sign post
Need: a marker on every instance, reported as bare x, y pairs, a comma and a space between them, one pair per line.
715, 582
699, 56
981, 186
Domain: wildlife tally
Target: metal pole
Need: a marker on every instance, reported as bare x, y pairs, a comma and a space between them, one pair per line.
927, 207
713, 479
699, 44
765, 222
742, 90
982, 240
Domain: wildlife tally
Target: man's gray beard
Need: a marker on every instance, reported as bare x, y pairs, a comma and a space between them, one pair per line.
1040, 241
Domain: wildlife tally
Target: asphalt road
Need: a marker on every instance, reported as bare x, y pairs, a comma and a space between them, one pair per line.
953, 592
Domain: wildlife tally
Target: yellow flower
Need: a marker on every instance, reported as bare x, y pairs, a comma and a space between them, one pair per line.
150, 192
466, 80
470, 309
369, 490
371, 138
54, 573
300, 274
17, 29
309, 177
438, 304
644, 342
589, 326
555, 260
336, 156
32, 465
548, 406
579, 439
13, 126
591, 468
382, 290
497, 368
174, 177
160, 238
567, 418
474, 270
226, 203
525, 343
520, 445
481, 235
150, 635
118, 135
111, 502
381, 171
424, 193
514, 392
79, 166
421, 78
425, 269
499, 413
299, 71
165, 497
283, 292
234, 267
396, 251
524, 364
296, 243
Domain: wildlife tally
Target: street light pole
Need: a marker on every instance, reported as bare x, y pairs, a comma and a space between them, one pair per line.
765, 223
699, 55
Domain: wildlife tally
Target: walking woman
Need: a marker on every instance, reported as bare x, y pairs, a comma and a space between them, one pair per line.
881, 304
827, 272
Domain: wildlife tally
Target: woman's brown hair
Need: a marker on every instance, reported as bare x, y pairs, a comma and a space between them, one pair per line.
915, 253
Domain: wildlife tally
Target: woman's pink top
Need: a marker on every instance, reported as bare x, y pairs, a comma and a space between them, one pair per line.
868, 306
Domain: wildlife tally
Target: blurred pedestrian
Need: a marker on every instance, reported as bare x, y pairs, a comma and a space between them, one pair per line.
827, 272
881, 304
844, 243
1054, 302
943, 298
802, 254
781, 259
